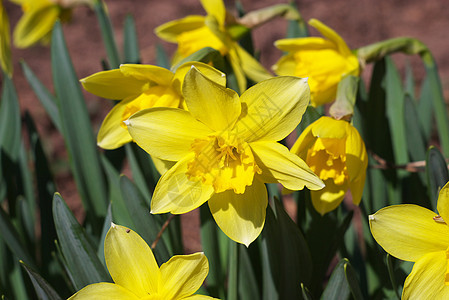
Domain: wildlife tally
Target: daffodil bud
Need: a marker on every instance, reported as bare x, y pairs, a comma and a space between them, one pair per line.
335, 152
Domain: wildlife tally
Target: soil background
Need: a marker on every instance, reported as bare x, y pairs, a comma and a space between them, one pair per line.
359, 22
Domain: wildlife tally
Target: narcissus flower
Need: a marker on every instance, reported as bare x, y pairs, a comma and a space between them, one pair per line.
136, 274
139, 87
5, 42
193, 33
38, 19
413, 233
226, 149
335, 151
324, 61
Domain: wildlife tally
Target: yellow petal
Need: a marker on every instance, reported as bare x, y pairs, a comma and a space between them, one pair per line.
272, 109
330, 197
171, 30
280, 165
443, 203
130, 261
426, 281
208, 71
215, 8
408, 231
304, 142
166, 133
183, 275
251, 67
111, 134
177, 194
236, 66
35, 24
113, 84
356, 156
285, 66
209, 102
241, 216
298, 44
356, 187
331, 35
5, 42
104, 291
156, 74
161, 165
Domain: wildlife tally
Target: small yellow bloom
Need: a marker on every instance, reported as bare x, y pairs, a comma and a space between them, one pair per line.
324, 61
413, 233
226, 149
136, 274
5, 42
335, 152
193, 33
38, 19
138, 87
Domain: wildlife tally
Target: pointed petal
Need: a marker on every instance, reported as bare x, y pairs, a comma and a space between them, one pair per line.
408, 231
272, 109
209, 102
130, 261
356, 188
113, 84
241, 216
104, 291
298, 44
171, 30
251, 67
111, 134
215, 8
161, 165
183, 275
329, 198
443, 203
427, 278
166, 133
35, 24
156, 74
208, 71
177, 194
280, 165
331, 35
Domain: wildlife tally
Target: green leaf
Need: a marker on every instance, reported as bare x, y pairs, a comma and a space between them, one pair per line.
107, 34
248, 283
162, 59
43, 290
10, 129
296, 28
310, 116
425, 108
80, 256
337, 288
233, 280
106, 226
437, 174
48, 101
78, 131
131, 45
353, 282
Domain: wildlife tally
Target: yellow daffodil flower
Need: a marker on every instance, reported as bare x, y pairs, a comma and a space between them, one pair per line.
5, 42
413, 233
335, 151
324, 61
193, 33
38, 19
138, 87
137, 275
226, 149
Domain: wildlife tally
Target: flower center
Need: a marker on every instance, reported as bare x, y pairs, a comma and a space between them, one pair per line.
329, 161
224, 162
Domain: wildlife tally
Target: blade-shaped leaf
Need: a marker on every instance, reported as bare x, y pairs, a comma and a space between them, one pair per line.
337, 288
10, 135
43, 290
80, 256
130, 44
107, 34
437, 174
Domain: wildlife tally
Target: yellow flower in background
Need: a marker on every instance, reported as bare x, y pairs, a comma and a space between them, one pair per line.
226, 149
137, 275
5, 42
138, 87
335, 152
38, 19
413, 233
193, 33
323, 61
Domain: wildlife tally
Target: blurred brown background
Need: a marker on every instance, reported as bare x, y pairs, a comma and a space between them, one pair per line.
359, 22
